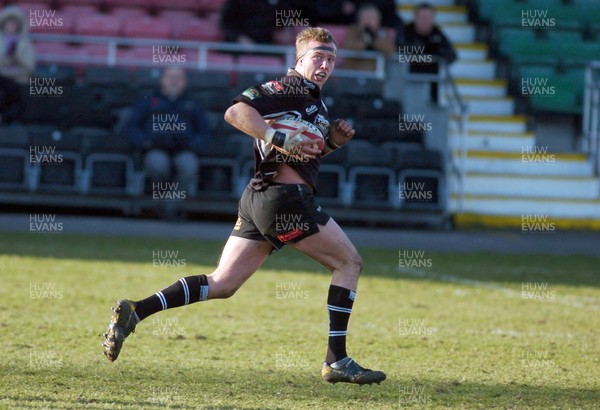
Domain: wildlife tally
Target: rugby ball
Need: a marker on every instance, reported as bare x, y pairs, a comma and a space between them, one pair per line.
312, 131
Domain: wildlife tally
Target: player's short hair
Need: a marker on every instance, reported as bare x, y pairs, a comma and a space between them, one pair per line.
320, 34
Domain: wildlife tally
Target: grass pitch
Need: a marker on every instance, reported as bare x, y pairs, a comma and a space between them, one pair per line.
458, 331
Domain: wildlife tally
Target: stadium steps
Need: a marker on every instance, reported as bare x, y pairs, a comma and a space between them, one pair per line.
507, 175
495, 141
444, 14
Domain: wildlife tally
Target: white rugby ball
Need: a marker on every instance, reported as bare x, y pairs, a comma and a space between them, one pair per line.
312, 131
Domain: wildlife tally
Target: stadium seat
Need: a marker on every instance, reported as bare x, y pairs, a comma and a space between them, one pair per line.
63, 74
371, 180
109, 166
339, 33
55, 52
146, 78
112, 77
216, 60
420, 178
199, 30
218, 169
129, 3
192, 5
61, 170
98, 25
14, 157
208, 6
147, 27
128, 13
349, 86
176, 17
258, 62
79, 10
331, 184
208, 80
67, 22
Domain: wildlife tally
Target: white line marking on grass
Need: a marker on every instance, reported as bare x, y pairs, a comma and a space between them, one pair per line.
584, 302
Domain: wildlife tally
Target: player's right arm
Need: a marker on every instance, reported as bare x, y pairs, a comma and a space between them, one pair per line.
248, 120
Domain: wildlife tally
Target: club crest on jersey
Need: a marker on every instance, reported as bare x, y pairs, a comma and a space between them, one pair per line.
251, 93
272, 87
311, 109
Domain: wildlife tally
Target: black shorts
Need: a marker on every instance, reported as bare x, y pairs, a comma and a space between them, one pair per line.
279, 214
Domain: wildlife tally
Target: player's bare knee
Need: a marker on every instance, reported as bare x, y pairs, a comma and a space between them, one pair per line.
353, 264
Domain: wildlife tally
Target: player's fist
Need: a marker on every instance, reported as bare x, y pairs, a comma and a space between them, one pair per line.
341, 132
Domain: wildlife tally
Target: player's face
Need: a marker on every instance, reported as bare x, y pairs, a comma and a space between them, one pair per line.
317, 65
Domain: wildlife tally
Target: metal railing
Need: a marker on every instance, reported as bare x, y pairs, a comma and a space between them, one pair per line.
457, 114
460, 115
201, 62
591, 113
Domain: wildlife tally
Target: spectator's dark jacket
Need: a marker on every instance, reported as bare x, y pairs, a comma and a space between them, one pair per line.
174, 126
435, 44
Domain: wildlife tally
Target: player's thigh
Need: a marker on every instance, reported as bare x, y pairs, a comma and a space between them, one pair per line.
241, 257
330, 247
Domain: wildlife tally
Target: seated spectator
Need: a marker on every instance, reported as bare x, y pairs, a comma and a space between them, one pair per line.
16, 62
424, 34
168, 127
367, 35
423, 37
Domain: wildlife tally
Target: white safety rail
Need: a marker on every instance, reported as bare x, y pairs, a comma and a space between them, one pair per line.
201, 62
460, 115
449, 96
591, 113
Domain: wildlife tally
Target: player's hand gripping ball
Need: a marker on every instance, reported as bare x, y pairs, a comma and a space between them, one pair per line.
310, 132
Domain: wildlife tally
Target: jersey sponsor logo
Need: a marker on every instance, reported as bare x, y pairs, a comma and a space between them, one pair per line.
311, 109
251, 93
309, 84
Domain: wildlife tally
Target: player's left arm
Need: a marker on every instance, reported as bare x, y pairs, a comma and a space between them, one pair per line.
340, 133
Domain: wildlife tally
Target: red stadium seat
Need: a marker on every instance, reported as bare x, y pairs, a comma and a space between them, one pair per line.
194, 5
78, 10
148, 27
199, 29
98, 25
134, 56
53, 52
56, 23
208, 6
128, 12
129, 3
26, 7
219, 58
80, 2
339, 33
259, 62
177, 17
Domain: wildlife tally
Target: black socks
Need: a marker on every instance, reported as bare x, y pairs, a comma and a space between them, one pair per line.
187, 290
339, 306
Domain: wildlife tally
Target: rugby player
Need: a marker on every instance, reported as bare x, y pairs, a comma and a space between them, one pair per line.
286, 169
